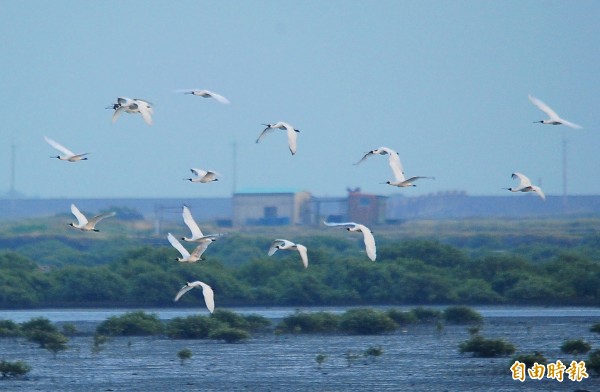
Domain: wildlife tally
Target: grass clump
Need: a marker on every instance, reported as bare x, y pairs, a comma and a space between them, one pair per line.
530, 359
301, 322
462, 315
487, 348
184, 354
192, 327
401, 317
426, 315
593, 361
9, 329
575, 346
14, 369
137, 323
366, 322
229, 334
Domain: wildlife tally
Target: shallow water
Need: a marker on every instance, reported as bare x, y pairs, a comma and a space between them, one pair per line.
420, 358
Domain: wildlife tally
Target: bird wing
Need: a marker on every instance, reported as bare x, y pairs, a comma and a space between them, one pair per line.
570, 124
59, 147
99, 217
369, 242
524, 181
188, 219
265, 131
538, 191
199, 250
364, 157
292, 138
345, 224
81, 219
117, 113
198, 172
273, 247
415, 178
544, 108
209, 296
145, 110
177, 245
210, 175
183, 290
218, 97
303, 254
396, 165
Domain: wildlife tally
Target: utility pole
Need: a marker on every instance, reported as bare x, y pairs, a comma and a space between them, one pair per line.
234, 159
13, 154
564, 171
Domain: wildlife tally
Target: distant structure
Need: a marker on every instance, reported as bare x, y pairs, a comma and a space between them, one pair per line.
365, 208
266, 207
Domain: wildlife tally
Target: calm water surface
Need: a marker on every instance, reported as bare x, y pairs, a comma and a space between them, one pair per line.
420, 358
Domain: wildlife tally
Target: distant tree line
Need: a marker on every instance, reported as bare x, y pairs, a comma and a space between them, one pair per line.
419, 272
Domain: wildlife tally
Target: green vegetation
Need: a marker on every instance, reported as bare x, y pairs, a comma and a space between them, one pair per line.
229, 334
14, 369
462, 315
488, 348
476, 262
530, 359
317, 322
320, 358
40, 330
575, 346
9, 329
184, 354
137, 323
594, 328
593, 361
374, 351
366, 322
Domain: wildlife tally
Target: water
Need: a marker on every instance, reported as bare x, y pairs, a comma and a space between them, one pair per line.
420, 358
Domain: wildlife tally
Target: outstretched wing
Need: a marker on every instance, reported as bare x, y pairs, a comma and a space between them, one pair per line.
145, 110
199, 250
198, 172
209, 296
59, 147
524, 181
218, 97
303, 254
177, 245
265, 132
292, 139
396, 165
364, 157
81, 219
544, 108
538, 191
183, 290
188, 219
345, 224
274, 245
369, 242
99, 217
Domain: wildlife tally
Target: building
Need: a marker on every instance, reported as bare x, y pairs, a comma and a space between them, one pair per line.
271, 208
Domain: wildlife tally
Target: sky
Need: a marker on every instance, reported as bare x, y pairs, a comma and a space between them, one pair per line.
444, 83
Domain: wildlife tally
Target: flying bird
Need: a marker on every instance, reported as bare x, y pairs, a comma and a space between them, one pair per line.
553, 118
83, 223
525, 185
68, 155
206, 94
207, 292
280, 244
203, 175
395, 165
197, 235
291, 133
367, 235
134, 105
187, 257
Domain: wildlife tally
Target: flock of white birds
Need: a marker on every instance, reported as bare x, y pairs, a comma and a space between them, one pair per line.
145, 109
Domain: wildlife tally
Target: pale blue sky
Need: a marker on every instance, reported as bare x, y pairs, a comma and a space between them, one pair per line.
444, 83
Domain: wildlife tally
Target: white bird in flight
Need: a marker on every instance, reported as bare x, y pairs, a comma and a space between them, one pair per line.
367, 235
197, 235
203, 176
207, 292
291, 133
83, 223
187, 257
554, 119
68, 155
526, 186
130, 105
280, 244
206, 94
395, 165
